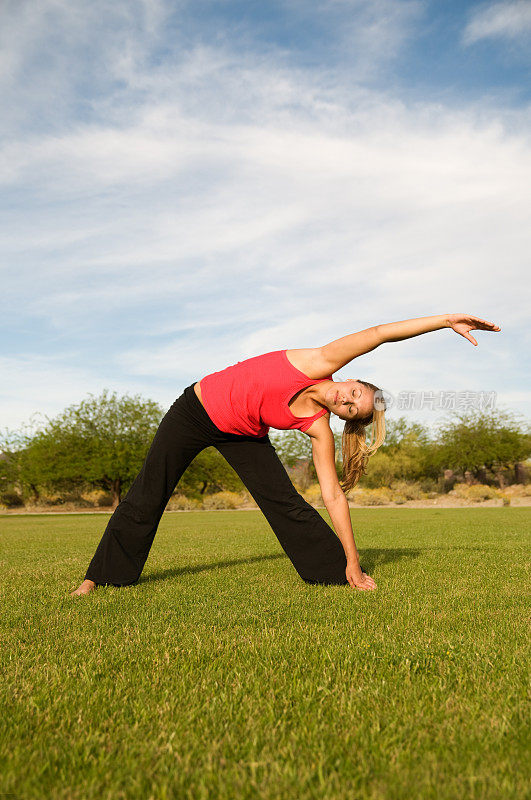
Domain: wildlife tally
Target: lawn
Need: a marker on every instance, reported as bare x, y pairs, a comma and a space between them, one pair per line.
222, 675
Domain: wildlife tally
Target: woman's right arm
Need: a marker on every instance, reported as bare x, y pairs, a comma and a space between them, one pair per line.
323, 453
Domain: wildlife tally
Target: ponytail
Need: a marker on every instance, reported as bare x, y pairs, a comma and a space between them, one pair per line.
356, 450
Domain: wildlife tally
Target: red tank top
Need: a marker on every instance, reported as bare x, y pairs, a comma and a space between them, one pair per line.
251, 396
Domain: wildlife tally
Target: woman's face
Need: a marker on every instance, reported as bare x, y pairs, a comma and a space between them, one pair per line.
350, 400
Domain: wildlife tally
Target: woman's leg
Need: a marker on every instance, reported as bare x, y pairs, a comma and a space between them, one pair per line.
124, 547
312, 546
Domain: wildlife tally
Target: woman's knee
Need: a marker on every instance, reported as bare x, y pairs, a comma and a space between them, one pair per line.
297, 508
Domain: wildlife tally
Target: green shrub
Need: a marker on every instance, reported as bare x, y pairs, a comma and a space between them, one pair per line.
179, 502
76, 499
97, 498
386, 467
460, 490
313, 495
411, 491
371, 497
11, 499
475, 493
247, 500
399, 499
479, 492
430, 486
222, 500
50, 500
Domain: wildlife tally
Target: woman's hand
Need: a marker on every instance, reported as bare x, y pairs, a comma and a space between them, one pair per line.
358, 579
464, 323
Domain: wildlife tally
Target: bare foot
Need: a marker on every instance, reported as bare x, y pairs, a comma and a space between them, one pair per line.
86, 588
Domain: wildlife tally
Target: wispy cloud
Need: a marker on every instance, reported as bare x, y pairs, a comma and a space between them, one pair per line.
36, 387
509, 20
388, 193
177, 202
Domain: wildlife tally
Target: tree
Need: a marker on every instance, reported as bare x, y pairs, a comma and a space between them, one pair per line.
102, 441
295, 451
291, 446
401, 433
209, 472
9, 445
408, 453
475, 440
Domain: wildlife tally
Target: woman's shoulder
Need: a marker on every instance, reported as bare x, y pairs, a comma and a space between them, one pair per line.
310, 361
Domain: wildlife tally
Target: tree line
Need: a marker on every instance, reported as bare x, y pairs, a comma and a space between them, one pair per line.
101, 443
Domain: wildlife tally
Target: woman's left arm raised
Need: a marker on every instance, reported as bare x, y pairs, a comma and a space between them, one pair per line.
340, 352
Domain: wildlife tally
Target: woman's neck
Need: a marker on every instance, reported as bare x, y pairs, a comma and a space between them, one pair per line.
317, 392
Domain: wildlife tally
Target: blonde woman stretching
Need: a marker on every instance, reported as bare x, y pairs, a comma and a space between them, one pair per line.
233, 411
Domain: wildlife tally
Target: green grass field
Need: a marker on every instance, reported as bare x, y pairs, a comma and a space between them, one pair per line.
222, 675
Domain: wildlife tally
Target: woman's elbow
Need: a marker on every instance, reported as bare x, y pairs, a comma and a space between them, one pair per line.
378, 336
332, 496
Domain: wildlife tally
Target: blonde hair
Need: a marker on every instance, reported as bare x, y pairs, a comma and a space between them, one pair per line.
356, 450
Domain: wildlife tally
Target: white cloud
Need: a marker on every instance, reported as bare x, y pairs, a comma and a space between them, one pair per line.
392, 202
366, 34
36, 387
100, 60
218, 204
508, 20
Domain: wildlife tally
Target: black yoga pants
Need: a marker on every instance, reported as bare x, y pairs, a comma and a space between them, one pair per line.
312, 546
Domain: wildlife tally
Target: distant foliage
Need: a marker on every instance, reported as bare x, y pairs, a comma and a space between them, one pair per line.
372, 497
406, 455
222, 500
312, 495
179, 502
102, 441
90, 453
482, 443
475, 493
11, 499
478, 440
208, 473
291, 446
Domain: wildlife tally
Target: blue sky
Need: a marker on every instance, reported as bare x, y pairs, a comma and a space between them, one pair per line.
186, 184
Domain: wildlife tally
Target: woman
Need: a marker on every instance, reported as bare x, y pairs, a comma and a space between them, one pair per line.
233, 410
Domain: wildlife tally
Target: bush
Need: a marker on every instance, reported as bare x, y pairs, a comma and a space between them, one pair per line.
371, 497
411, 491
179, 502
247, 500
11, 499
480, 492
384, 468
475, 493
430, 486
76, 499
98, 498
222, 500
50, 500
313, 495
399, 499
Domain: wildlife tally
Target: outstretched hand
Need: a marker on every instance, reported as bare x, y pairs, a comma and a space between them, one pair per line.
464, 323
